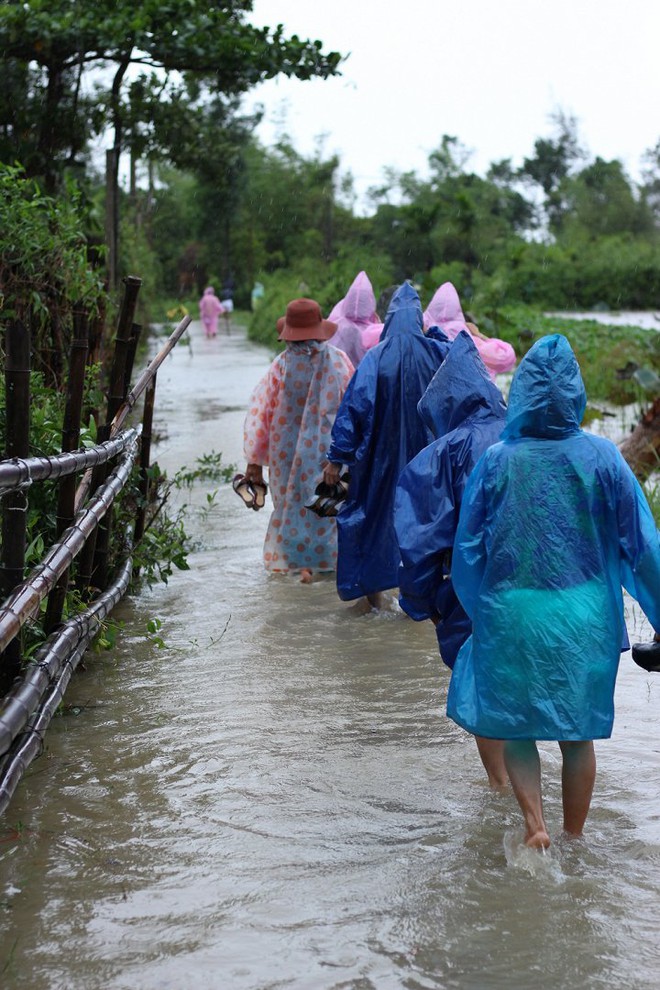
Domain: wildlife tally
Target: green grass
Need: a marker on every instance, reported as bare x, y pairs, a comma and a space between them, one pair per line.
602, 349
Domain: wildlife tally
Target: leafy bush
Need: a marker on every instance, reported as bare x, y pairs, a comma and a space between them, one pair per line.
44, 268
327, 283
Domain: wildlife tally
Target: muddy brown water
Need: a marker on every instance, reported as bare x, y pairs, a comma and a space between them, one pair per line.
274, 799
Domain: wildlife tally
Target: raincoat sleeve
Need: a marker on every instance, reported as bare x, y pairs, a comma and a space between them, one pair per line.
259, 419
354, 416
425, 517
639, 541
469, 556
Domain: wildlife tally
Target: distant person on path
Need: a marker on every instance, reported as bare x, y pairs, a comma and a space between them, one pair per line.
287, 428
553, 522
227, 300
377, 431
445, 311
465, 410
210, 309
353, 314
257, 295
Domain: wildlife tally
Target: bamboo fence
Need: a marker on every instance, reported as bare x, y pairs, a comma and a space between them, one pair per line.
33, 690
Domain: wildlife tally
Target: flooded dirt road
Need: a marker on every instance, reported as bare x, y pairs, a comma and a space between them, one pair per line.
275, 799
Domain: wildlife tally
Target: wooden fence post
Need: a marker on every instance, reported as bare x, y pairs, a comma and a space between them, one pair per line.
116, 395
15, 504
145, 455
70, 441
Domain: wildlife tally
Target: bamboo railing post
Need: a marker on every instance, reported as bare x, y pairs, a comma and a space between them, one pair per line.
116, 394
145, 456
70, 441
136, 331
14, 508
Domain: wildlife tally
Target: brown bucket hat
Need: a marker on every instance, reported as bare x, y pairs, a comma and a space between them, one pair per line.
303, 321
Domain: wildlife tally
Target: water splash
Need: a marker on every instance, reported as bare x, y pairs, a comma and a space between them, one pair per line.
536, 862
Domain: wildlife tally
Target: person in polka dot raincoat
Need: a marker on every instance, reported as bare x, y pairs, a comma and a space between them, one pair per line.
287, 428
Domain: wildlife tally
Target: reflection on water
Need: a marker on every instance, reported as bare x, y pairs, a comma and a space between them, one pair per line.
276, 800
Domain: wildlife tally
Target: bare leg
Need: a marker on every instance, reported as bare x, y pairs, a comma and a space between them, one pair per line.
491, 752
524, 767
306, 575
376, 599
577, 783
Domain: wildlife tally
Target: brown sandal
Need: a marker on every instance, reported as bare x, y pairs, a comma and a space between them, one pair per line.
244, 490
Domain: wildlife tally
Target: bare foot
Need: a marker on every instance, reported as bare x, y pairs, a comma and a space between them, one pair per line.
306, 576
572, 835
538, 840
376, 600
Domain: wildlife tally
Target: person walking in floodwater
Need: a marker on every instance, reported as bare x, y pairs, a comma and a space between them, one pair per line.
377, 431
210, 309
465, 410
287, 428
353, 314
444, 311
553, 523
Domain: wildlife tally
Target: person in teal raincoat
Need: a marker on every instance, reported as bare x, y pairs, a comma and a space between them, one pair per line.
376, 432
553, 523
466, 412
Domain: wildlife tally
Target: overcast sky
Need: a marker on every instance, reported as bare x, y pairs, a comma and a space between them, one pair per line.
489, 72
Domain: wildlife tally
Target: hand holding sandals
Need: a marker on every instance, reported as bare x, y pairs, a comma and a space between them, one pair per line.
251, 487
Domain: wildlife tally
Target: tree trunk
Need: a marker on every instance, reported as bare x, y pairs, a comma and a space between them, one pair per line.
112, 177
642, 447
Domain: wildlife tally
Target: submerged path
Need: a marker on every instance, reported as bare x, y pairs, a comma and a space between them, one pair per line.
275, 798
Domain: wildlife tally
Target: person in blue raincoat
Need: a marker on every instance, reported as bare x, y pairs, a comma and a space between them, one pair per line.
465, 410
376, 432
553, 523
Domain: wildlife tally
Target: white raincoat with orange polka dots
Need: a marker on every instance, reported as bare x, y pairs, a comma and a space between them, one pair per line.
287, 429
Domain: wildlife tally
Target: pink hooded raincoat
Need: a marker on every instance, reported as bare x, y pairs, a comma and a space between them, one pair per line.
353, 314
210, 309
445, 311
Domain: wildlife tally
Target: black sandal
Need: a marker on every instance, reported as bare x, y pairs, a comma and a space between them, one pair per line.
647, 656
328, 498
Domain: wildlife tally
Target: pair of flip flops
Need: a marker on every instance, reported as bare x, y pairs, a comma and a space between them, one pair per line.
647, 655
328, 498
253, 493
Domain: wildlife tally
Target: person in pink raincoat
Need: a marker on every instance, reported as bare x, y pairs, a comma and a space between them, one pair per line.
353, 314
444, 311
210, 309
287, 428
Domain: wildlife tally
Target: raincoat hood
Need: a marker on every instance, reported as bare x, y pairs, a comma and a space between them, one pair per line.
547, 397
359, 303
404, 314
461, 389
445, 311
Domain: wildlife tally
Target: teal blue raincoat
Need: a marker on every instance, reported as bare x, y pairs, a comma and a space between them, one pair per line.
553, 523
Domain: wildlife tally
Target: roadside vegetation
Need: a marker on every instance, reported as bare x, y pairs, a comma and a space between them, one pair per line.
205, 202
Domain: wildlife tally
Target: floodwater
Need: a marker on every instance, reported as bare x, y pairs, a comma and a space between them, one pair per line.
275, 799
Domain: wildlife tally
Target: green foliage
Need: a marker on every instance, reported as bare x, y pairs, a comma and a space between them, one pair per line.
51, 47
44, 268
605, 352
652, 492
208, 467
325, 283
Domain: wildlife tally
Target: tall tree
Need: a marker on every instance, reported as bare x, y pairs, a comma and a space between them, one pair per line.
554, 159
62, 41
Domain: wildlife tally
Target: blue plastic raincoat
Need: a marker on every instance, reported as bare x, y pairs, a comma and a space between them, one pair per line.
553, 522
376, 432
466, 411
